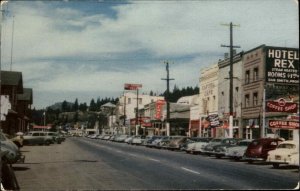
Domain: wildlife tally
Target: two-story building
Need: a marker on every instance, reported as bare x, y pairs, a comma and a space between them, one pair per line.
20, 100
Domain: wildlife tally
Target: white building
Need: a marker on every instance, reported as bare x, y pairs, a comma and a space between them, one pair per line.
128, 103
208, 104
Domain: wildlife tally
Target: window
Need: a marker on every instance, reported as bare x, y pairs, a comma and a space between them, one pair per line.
140, 100
247, 77
247, 99
129, 100
255, 74
255, 99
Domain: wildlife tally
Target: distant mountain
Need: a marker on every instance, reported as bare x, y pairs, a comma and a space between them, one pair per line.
58, 105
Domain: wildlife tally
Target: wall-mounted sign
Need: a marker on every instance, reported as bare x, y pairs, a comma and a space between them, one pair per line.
159, 108
283, 124
281, 105
282, 65
214, 120
132, 86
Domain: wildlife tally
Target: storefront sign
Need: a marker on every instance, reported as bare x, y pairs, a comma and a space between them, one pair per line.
283, 124
159, 108
282, 65
132, 86
214, 120
281, 105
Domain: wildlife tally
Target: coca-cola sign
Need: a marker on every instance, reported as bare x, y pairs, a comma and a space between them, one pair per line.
281, 105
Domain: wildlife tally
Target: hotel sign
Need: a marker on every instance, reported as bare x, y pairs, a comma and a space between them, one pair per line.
282, 65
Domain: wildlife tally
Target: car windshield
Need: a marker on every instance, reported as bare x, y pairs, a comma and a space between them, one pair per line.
286, 146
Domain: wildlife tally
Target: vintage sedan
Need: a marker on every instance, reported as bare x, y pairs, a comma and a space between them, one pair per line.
209, 148
37, 138
237, 152
220, 149
294, 160
258, 149
198, 145
12, 152
282, 153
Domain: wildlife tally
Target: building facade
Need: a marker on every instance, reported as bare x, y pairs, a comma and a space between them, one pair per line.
271, 80
224, 92
208, 99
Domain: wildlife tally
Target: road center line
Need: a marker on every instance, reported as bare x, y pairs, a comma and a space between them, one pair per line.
189, 170
154, 159
132, 154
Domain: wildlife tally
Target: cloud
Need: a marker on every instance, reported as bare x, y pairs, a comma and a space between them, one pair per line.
65, 48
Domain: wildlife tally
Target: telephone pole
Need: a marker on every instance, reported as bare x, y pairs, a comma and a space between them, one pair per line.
167, 97
231, 46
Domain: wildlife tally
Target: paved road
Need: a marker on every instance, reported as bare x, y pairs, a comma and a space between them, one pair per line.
86, 164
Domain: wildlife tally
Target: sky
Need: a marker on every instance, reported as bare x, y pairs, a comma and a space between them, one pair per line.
89, 49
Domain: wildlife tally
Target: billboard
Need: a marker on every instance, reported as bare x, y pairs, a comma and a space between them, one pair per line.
132, 86
282, 65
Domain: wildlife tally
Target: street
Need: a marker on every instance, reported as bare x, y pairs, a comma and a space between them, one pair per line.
90, 164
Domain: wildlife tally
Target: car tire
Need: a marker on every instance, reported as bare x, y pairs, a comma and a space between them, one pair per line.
47, 143
275, 165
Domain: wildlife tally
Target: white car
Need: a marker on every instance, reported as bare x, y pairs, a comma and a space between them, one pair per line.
237, 152
138, 140
294, 160
197, 147
282, 153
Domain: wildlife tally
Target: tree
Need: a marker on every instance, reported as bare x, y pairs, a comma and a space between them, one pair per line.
76, 107
93, 106
64, 106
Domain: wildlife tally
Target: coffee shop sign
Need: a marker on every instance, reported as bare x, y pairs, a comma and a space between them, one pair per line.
281, 105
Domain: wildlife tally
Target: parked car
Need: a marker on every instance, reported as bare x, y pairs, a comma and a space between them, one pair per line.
56, 138
129, 139
198, 145
176, 143
121, 138
138, 139
237, 152
106, 137
12, 152
37, 138
220, 149
208, 149
162, 142
189, 140
294, 160
258, 149
17, 139
152, 141
282, 153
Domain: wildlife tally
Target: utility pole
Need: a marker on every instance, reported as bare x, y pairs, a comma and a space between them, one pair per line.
167, 97
231, 46
12, 43
137, 112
